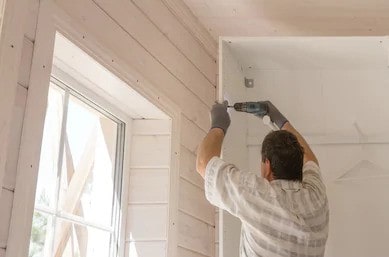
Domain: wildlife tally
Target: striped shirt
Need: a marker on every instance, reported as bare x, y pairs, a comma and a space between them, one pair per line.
279, 218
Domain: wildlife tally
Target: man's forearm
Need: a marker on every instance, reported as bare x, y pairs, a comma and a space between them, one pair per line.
210, 146
308, 154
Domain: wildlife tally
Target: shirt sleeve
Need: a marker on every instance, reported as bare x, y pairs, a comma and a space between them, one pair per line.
229, 188
312, 178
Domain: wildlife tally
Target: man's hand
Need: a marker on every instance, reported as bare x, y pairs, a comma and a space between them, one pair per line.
275, 115
220, 117
212, 143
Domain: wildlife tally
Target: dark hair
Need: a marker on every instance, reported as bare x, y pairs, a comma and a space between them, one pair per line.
285, 154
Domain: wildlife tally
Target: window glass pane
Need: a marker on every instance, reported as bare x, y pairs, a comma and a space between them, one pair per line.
73, 240
41, 234
87, 181
48, 165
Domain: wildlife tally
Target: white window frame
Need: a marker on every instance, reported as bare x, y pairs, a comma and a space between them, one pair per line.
73, 88
53, 19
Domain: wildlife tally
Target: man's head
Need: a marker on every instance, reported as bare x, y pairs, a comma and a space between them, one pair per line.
282, 156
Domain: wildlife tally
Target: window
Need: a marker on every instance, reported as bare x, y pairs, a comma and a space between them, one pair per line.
77, 203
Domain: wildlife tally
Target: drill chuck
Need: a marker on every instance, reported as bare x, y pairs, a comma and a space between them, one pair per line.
258, 108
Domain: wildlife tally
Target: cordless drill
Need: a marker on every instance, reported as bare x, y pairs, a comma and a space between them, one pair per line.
260, 109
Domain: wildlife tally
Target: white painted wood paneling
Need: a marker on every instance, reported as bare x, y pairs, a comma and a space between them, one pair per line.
297, 18
15, 137
192, 201
135, 56
5, 214
151, 127
150, 151
190, 21
180, 36
75, 66
148, 196
32, 19
191, 135
195, 235
188, 167
126, 14
25, 63
149, 186
145, 249
177, 78
147, 222
217, 226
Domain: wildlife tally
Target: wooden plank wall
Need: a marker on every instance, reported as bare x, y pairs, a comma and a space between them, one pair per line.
6, 199
150, 39
148, 197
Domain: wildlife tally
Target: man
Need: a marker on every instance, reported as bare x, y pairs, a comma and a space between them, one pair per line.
284, 210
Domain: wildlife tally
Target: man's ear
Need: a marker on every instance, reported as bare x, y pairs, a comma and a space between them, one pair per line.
268, 170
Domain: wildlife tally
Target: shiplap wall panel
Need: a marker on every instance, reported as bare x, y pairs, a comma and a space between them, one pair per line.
145, 249
195, 235
217, 225
188, 167
147, 222
15, 137
129, 16
150, 151
173, 79
5, 215
92, 18
151, 127
148, 194
191, 135
192, 201
149, 186
158, 12
25, 64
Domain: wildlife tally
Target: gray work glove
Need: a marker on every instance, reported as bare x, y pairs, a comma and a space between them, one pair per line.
275, 115
220, 117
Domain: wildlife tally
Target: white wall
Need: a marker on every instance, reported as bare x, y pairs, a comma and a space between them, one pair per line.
148, 197
149, 38
337, 101
6, 199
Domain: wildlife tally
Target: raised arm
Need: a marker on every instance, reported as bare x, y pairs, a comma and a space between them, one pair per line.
279, 119
212, 143
308, 154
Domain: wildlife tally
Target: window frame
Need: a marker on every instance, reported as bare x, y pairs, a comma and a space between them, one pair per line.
51, 19
70, 87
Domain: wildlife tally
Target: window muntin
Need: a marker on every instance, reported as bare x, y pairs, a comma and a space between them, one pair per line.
78, 195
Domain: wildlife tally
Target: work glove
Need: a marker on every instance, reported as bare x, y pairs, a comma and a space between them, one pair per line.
220, 117
275, 115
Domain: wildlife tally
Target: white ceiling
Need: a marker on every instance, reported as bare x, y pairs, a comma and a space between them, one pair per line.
311, 53
292, 17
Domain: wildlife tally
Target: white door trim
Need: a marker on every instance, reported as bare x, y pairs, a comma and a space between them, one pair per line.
11, 44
